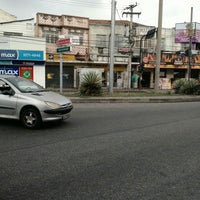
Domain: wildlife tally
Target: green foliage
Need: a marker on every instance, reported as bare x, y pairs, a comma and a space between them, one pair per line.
91, 85
183, 86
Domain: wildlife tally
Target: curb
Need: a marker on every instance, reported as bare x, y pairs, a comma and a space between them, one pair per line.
172, 99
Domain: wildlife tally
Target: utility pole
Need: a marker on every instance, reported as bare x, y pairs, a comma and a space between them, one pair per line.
158, 53
131, 40
112, 46
190, 45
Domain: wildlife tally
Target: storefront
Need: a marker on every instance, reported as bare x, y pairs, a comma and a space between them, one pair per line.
29, 64
53, 76
172, 67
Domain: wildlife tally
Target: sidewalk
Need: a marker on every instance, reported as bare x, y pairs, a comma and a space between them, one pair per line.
157, 99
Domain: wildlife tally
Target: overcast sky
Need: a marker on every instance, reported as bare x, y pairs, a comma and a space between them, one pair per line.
174, 11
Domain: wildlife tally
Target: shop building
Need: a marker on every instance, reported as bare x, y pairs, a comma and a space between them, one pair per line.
99, 50
176, 60
21, 53
53, 28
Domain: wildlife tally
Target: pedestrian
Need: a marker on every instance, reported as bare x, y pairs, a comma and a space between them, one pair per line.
134, 80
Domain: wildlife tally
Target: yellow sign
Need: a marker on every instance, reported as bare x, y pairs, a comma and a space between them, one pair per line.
56, 57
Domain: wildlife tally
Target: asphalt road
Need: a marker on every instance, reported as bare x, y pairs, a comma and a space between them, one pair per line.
105, 151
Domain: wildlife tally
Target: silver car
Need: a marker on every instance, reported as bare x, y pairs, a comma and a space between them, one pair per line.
30, 103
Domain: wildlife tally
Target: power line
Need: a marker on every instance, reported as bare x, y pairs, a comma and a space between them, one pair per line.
80, 3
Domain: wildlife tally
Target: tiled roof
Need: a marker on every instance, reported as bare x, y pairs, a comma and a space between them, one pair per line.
108, 22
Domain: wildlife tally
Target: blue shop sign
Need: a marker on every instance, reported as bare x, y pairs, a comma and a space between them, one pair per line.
31, 55
8, 54
21, 55
9, 71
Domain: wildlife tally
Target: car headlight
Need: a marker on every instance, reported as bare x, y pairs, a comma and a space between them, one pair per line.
52, 104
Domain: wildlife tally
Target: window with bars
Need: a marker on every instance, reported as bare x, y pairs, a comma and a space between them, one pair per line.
51, 36
101, 41
121, 41
77, 36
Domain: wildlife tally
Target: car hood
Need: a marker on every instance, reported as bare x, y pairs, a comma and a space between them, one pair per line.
49, 96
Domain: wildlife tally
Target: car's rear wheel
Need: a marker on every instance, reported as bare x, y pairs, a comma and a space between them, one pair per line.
30, 118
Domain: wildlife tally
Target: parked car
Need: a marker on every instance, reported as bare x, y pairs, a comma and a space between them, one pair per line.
25, 100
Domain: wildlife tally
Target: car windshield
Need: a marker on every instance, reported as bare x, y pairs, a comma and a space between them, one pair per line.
25, 85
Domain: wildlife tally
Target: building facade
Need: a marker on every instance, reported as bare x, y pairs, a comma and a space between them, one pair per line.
37, 49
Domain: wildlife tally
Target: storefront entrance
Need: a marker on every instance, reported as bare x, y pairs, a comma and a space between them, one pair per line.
145, 82
53, 76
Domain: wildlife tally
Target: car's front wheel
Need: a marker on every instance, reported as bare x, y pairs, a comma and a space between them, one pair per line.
30, 118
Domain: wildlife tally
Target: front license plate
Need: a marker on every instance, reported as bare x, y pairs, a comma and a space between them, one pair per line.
66, 116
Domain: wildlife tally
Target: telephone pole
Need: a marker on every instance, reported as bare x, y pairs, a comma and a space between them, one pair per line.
190, 45
131, 39
158, 53
112, 46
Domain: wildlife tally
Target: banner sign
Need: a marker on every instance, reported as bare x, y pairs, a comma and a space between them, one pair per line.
21, 55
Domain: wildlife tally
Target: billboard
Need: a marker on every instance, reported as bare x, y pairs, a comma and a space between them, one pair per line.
183, 32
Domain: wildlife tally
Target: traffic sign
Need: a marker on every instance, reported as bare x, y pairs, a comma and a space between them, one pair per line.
64, 49
145, 59
64, 41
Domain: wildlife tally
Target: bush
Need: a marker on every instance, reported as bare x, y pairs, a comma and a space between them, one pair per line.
91, 85
183, 86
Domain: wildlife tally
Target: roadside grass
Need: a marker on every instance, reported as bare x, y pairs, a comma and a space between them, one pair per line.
119, 93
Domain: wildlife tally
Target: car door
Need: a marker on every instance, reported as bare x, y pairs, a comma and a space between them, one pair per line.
8, 101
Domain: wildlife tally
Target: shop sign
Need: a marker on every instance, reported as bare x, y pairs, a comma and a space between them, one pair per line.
21, 55
64, 41
28, 63
56, 57
31, 55
26, 72
9, 71
8, 55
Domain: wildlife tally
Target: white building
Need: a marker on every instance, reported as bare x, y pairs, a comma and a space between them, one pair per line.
6, 17
20, 52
